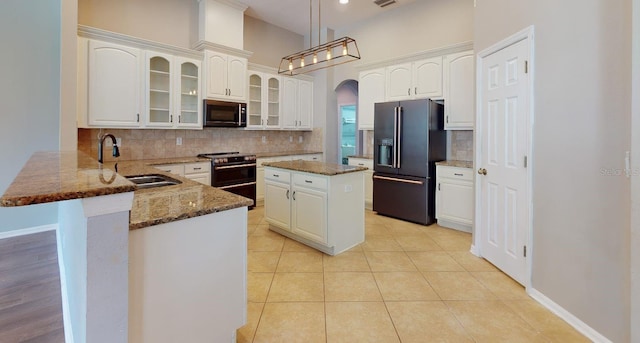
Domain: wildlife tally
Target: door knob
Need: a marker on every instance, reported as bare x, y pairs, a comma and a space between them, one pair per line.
482, 171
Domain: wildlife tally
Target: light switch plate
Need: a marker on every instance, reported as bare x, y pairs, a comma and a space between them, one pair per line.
178, 140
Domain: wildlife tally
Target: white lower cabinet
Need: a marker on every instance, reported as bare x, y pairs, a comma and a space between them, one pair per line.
455, 197
260, 181
324, 212
368, 179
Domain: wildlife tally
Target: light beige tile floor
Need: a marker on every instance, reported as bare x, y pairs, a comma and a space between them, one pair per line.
405, 283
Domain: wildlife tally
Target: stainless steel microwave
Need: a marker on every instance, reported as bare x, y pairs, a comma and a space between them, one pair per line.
224, 114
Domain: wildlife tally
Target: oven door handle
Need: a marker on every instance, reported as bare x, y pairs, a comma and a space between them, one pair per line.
235, 166
238, 185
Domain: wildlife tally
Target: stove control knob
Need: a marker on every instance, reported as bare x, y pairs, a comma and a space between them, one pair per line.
217, 160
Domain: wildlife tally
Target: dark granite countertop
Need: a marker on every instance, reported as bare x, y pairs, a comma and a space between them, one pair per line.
455, 163
314, 167
57, 176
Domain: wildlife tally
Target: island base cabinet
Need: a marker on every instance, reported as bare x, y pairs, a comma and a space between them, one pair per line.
326, 212
188, 279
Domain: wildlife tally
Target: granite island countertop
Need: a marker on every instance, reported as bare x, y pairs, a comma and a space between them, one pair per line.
57, 176
286, 153
456, 163
315, 167
364, 157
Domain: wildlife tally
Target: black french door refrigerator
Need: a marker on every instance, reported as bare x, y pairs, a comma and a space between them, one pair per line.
409, 138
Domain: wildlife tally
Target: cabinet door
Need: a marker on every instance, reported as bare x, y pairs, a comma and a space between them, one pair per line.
115, 83
272, 101
188, 101
159, 100
310, 214
259, 184
277, 205
427, 78
255, 117
370, 90
305, 104
237, 78
454, 201
216, 64
459, 91
289, 102
398, 81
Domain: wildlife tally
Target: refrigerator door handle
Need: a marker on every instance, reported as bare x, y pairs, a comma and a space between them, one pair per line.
399, 138
398, 180
394, 163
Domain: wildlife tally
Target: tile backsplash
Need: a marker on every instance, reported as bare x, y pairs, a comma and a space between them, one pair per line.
461, 145
138, 144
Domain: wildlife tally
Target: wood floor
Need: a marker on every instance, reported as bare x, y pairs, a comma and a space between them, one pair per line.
30, 300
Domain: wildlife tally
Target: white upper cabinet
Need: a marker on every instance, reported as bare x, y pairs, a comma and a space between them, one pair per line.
371, 89
114, 85
427, 76
297, 104
419, 79
172, 91
398, 80
226, 76
459, 91
265, 98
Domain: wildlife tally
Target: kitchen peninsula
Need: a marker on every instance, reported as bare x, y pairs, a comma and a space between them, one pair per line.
161, 264
318, 204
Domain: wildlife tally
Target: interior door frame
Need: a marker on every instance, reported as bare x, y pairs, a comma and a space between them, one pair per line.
476, 247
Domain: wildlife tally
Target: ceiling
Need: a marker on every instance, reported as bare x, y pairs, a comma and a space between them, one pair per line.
293, 15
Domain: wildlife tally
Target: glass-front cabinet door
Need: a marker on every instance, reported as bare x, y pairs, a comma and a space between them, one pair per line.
264, 101
255, 117
189, 106
273, 102
159, 100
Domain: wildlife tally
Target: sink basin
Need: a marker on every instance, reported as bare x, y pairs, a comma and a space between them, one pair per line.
152, 180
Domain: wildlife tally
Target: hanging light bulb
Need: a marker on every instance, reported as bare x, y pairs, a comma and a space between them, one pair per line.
344, 49
290, 65
315, 57
328, 53
302, 62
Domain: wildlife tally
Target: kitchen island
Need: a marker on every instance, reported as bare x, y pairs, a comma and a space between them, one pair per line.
161, 264
317, 204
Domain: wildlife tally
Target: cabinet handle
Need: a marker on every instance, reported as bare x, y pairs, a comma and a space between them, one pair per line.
171, 118
456, 174
438, 186
308, 181
415, 91
138, 117
179, 119
409, 91
294, 195
276, 175
361, 164
198, 168
287, 194
447, 119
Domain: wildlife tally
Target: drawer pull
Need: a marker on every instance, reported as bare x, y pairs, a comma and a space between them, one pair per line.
198, 168
456, 174
308, 181
276, 175
361, 164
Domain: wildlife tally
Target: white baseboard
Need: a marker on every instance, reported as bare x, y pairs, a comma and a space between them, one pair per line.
574, 321
28, 231
66, 316
474, 251
455, 226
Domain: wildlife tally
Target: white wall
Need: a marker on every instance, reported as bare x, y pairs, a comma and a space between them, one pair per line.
29, 94
582, 119
269, 43
168, 21
635, 179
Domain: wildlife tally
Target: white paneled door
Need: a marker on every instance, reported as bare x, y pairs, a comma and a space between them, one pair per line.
503, 123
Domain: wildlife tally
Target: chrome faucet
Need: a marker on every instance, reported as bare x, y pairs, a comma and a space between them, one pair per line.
116, 151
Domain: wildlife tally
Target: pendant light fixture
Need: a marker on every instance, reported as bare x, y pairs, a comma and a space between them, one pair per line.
329, 54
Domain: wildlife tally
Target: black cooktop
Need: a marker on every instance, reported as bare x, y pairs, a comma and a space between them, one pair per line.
228, 157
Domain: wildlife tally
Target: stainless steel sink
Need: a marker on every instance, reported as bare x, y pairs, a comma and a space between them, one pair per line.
152, 180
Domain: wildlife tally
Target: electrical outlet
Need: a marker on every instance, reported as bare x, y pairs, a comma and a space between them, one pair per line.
290, 139
178, 140
264, 139
300, 139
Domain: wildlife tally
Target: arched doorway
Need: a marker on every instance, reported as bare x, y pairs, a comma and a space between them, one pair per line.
350, 139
